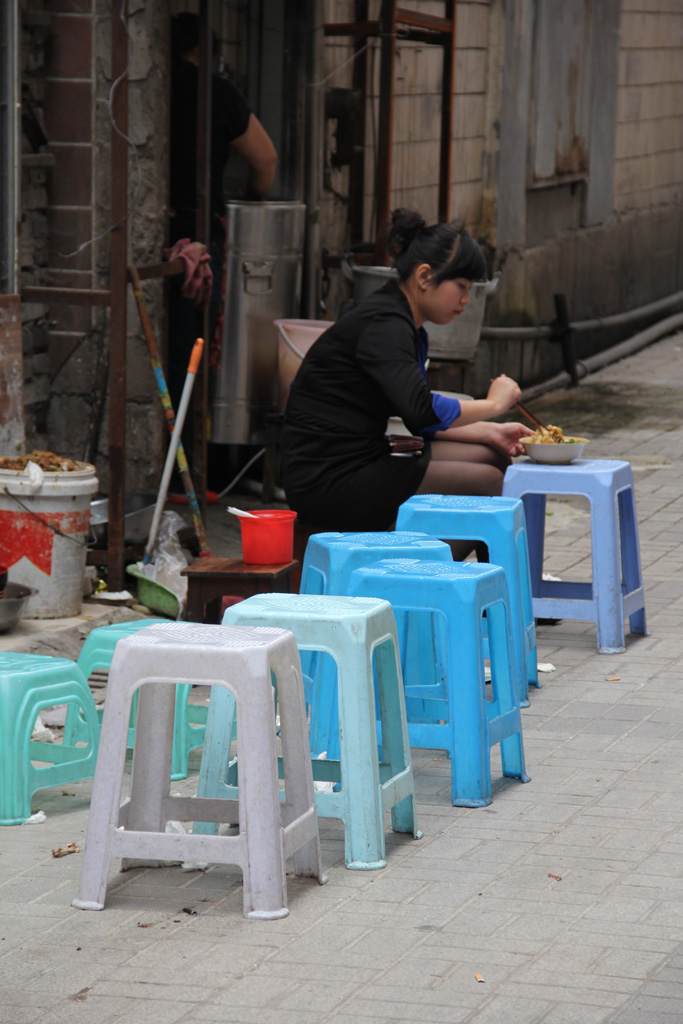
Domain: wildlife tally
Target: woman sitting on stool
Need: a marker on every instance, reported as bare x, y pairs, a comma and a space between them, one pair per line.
338, 470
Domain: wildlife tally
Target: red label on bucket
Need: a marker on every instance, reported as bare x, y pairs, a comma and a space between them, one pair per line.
268, 539
23, 535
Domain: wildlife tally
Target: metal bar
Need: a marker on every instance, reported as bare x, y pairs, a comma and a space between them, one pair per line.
70, 296
118, 245
201, 392
447, 86
161, 269
357, 169
386, 125
10, 146
352, 28
431, 22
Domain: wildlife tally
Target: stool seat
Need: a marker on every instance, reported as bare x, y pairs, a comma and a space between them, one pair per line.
189, 721
355, 632
500, 523
272, 825
209, 580
28, 683
616, 590
458, 718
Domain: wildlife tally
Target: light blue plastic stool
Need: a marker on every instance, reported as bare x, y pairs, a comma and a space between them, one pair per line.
28, 683
329, 560
500, 523
352, 631
617, 586
190, 719
466, 724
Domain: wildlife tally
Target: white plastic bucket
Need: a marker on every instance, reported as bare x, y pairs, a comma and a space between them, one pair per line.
44, 525
294, 340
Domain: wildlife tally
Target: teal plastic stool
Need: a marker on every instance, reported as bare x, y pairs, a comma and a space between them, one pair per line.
616, 590
354, 631
190, 719
329, 560
466, 724
501, 524
28, 683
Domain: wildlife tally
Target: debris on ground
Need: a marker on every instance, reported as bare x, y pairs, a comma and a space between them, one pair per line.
64, 851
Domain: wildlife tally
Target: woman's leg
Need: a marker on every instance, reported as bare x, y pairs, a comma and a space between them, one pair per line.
467, 469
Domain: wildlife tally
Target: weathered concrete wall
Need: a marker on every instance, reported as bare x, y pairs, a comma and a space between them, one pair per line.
65, 218
608, 244
34, 232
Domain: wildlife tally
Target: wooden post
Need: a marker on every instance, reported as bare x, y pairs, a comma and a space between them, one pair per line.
118, 261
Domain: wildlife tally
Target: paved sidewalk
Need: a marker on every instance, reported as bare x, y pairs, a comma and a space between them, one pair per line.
561, 903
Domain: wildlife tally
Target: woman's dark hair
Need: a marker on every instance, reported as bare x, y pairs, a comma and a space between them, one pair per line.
185, 35
448, 249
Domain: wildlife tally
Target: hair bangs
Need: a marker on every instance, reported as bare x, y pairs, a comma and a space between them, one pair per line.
467, 261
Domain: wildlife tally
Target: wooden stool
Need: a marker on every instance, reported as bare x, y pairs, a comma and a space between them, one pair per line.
209, 580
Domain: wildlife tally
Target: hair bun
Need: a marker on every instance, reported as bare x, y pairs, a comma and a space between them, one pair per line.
405, 226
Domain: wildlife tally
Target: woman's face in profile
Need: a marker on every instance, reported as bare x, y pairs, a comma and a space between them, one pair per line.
443, 302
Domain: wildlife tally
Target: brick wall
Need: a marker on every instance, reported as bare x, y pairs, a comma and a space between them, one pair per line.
649, 142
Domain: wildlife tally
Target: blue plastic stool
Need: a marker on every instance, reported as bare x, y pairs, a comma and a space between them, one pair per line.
28, 683
500, 523
617, 586
352, 631
329, 560
190, 719
465, 724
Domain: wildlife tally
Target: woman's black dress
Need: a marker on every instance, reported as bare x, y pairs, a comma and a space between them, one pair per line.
338, 472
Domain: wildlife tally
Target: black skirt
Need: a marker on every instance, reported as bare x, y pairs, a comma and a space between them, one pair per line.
346, 482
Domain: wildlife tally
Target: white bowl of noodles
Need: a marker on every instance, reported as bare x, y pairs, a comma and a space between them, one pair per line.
550, 447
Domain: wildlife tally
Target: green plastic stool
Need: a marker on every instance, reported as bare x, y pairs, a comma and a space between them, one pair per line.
28, 683
190, 720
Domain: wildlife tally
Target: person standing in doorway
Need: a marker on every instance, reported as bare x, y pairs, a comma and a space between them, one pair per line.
233, 126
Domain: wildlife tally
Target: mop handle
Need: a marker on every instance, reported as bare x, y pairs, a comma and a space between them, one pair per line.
169, 414
173, 446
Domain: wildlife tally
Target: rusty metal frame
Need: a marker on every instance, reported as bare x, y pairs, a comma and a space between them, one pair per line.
413, 26
114, 298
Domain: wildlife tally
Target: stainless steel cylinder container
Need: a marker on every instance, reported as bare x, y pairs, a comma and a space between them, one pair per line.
263, 268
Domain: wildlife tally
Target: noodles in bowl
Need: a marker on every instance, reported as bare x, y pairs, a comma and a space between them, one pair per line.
550, 446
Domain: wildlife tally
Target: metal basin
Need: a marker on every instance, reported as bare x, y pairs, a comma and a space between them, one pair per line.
13, 603
139, 512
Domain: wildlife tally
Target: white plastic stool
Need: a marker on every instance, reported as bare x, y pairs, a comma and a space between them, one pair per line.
239, 659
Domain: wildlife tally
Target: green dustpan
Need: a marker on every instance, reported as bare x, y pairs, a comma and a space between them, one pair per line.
155, 595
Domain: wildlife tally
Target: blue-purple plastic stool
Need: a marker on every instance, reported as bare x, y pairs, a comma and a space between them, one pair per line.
616, 590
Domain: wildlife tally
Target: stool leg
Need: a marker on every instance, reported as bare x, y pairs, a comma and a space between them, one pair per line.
150, 782
630, 555
364, 831
105, 801
528, 624
505, 690
607, 593
395, 749
15, 791
470, 762
534, 512
216, 754
264, 881
297, 767
181, 741
324, 707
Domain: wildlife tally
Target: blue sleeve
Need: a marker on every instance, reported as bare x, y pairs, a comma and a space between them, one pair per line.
445, 409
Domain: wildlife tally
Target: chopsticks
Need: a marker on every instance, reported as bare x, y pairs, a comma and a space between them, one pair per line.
531, 416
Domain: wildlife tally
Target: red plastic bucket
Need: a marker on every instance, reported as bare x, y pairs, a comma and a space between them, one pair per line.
269, 538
